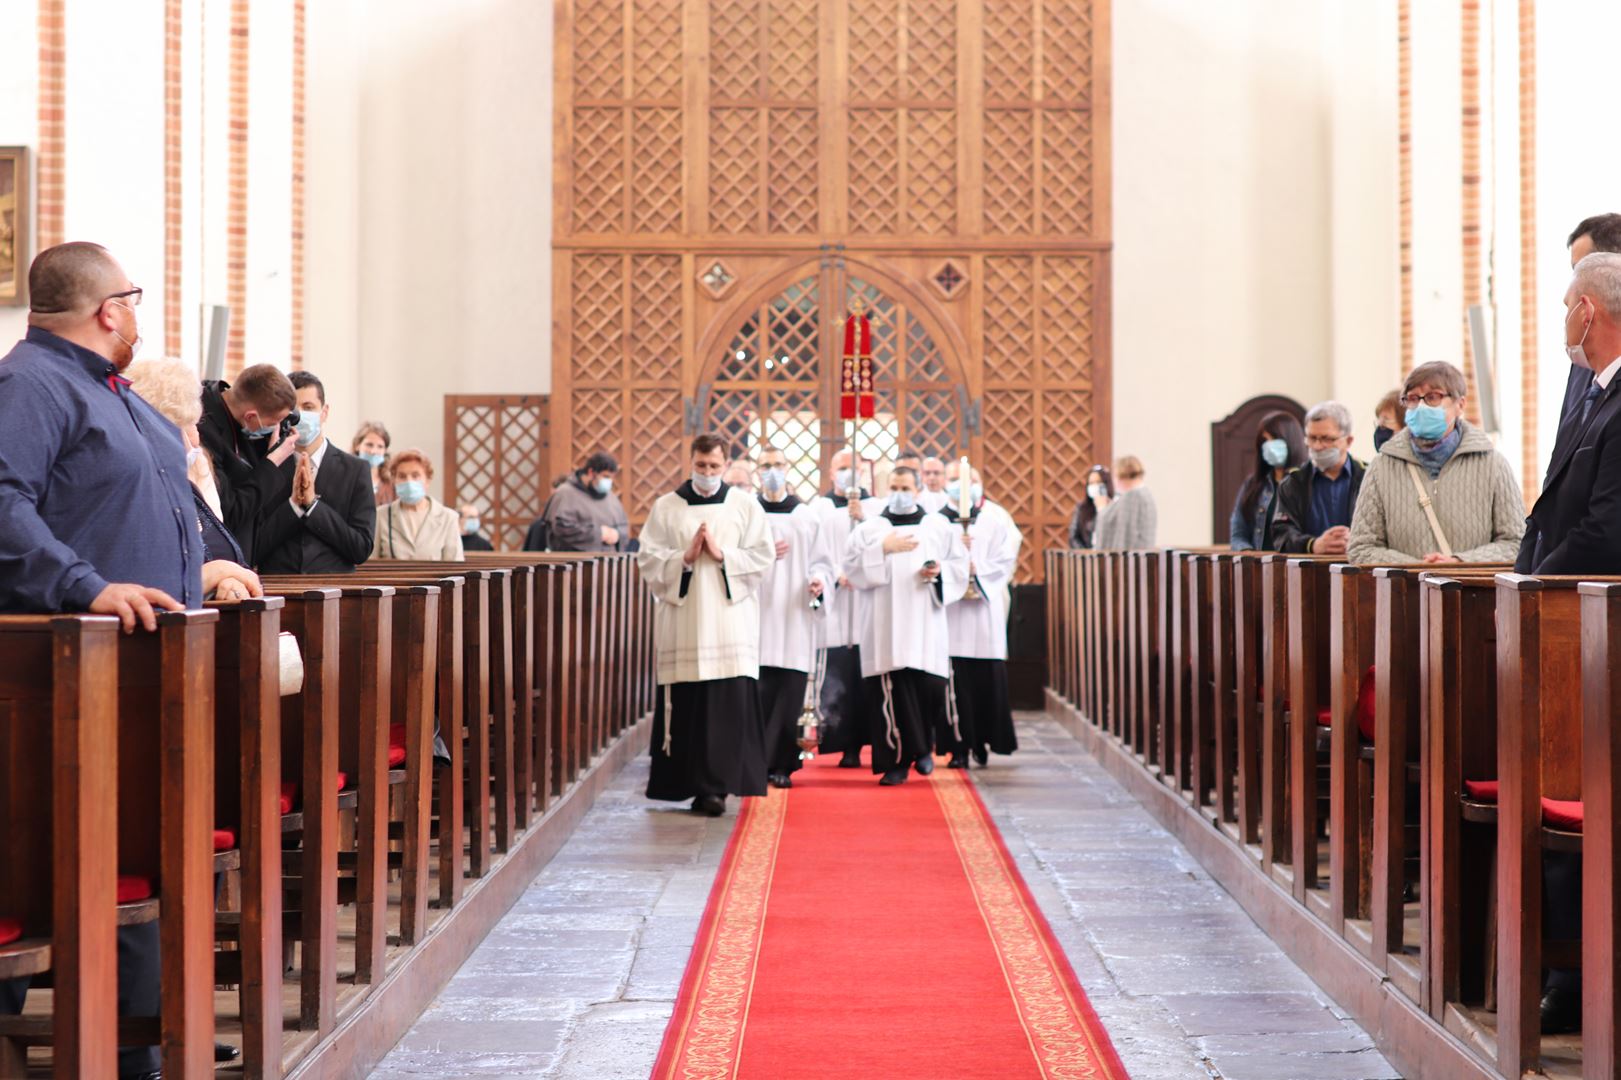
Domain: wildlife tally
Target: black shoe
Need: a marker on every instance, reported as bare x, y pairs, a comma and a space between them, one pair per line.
850, 760
780, 780
924, 765
155, 1074
981, 756
1561, 1011
224, 1052
709, 805
893, 777
958, 761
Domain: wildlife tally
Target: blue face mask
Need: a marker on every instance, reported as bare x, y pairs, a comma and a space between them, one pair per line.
259, 433
773, 479
411, 492
954, 492
902, 503
309, 427
1427, 422
1275, 452
374, 460
604, 485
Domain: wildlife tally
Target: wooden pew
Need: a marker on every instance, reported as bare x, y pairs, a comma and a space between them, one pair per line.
58, 861
1310, 695
1601, 801
1277, 847
247, 794
1238, 691
1146, 570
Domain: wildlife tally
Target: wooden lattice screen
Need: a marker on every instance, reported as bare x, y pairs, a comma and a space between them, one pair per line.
498, 458
951, 157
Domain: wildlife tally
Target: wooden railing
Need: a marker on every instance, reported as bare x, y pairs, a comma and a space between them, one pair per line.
302, 842
1375, 761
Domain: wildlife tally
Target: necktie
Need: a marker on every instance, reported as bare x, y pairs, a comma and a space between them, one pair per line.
1588, 399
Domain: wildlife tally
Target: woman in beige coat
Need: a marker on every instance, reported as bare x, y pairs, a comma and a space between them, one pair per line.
413, 526
1470, 486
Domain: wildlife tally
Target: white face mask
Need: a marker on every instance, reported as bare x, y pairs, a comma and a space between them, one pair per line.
841, 481
705, 485
774, 479
1097, 491
1325, 459
902, 503
1577, 354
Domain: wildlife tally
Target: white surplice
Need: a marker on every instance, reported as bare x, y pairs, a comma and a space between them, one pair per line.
979, 627
789, 626
933, 501
905, 622
706, 624
843, 627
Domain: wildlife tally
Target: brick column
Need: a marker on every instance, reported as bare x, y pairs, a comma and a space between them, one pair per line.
236, 206
52, 119
1469, 121
1531, 460
1404, 156
173, 20
296, 322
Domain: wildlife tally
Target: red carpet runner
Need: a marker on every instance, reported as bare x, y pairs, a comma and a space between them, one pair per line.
859, 931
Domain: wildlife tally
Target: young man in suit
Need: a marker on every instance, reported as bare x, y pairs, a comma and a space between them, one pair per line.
327, 523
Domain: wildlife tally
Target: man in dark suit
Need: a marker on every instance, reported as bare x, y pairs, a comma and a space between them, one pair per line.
327, 524
1601, 232
240, 429
1575, 528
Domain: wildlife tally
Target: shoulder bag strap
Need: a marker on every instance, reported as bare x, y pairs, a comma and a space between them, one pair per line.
1429, 510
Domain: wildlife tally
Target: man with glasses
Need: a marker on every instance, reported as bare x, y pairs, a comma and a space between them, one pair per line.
242, 431
96, 512
1439, 491
1316, 503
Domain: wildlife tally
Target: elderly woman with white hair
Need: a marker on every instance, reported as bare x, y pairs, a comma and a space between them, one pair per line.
174, 389
1317, 501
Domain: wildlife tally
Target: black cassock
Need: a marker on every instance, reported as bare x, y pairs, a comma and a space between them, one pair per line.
910, 707
715, 744
982, 714
782, 702
847, 713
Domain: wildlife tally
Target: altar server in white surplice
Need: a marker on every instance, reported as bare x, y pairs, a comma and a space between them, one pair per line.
704, 551
979, 691
912, 565
795, 600
844, 704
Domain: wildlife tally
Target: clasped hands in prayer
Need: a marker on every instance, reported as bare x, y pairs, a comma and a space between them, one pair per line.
304, 483
703, 543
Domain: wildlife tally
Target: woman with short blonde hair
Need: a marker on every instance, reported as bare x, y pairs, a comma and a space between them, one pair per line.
1130, 520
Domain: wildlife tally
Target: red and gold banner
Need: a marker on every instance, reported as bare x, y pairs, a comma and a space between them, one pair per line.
856, 389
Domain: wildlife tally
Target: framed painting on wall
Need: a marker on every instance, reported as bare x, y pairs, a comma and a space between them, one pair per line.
14, 216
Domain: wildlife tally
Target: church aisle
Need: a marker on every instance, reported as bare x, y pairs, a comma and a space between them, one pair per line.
580, 980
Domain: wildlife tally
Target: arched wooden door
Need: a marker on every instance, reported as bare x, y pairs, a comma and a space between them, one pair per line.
775, 379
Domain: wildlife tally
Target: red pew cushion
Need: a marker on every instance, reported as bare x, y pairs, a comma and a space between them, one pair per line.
396, 745
289, 791
1325, 717
224, 839
1365, 705
131, 889
1481, 790
1562, 814
10, 930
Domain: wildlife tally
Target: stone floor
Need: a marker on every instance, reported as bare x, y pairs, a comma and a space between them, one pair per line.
580, 979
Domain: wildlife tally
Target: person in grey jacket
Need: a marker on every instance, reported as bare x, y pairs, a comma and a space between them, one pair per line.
1130, 521
583, 514
1470, 486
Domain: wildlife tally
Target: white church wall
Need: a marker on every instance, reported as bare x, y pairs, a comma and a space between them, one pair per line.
1223, 283
449, 145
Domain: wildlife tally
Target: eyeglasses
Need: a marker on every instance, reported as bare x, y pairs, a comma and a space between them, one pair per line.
133, 296
1319, 442
1432, 399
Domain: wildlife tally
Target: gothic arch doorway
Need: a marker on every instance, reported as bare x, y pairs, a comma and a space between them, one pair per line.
772, 373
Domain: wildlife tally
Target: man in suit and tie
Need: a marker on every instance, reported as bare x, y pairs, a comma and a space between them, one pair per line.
1601, 232
327, 524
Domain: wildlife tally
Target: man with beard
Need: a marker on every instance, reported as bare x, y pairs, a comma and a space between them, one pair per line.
912, 565
794, 600
704, 551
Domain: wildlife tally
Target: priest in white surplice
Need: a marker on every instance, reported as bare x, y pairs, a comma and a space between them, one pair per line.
979, 692
845, 708
704, 551
794, 600
913, 565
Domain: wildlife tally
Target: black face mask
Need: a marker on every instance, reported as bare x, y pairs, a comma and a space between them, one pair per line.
1381, 435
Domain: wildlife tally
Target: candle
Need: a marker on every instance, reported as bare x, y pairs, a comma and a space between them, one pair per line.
965, 498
